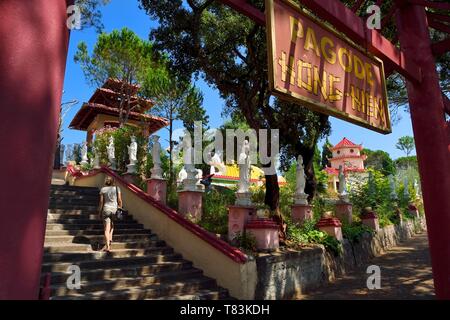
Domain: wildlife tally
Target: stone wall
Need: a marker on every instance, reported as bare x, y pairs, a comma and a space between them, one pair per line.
289, 273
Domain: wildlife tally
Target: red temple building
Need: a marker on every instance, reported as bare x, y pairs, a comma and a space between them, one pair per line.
348, 155
102, 110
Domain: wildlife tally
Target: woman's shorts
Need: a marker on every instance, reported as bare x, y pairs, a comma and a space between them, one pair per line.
108, 214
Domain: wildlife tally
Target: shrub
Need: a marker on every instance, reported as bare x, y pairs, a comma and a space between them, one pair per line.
354, 232
245, 241
215, 210
306, 233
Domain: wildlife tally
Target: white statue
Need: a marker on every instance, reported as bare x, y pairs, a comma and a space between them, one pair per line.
417, 188
343, 194
300, 196
216, 163
96, 160
392, 186
156, 157
244, 168
190, 182
84, 154
182, 175
111, 153
156, 151
132, 150
406, 185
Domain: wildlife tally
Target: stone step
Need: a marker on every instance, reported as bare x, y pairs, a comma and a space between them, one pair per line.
110, 262
75, 196
64, 201
91, 216
71, 211
79, 206
117, 231
125, 282
87, 239
70, 193
72, 188
186, 287
94, 247
220, 294
96, 255
83, 220
135, 270
79, 226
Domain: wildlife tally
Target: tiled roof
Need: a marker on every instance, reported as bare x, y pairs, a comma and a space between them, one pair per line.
89, 111
345, 143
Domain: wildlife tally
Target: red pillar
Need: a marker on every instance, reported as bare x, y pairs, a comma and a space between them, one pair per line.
33, 50
432, 140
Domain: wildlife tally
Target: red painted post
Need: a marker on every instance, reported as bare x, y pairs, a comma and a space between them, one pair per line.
33, 51
432, 140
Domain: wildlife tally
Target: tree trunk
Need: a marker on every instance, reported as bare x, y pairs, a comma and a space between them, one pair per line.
311, 183
272, 196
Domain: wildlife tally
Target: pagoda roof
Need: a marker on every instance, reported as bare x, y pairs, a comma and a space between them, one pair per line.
111, 92
89, 111
345, 143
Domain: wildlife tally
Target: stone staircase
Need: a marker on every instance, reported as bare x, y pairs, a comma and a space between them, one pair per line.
140, 266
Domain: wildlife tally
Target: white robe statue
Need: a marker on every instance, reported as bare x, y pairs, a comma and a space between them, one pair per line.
84, 154
156, 157
132, 151
96, 160
300, 196
111, 153
244, 168
182, 175
392, 187
190, 182
216, 163
343, 194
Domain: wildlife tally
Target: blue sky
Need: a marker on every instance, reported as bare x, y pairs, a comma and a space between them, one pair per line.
120, 13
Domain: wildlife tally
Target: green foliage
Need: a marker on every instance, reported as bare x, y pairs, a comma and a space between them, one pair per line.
122, 139
405, 163
379, 160
215, 212
246, 241
354, 232
302, 235
406, 144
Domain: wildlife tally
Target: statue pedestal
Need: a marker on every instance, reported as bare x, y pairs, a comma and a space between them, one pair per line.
370, 219
244, 199
131, 168
265, 232
301, 213
191, 203
331, 226
157, 189
301, 198
157, 173
238, 216
130, 178
344, 211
